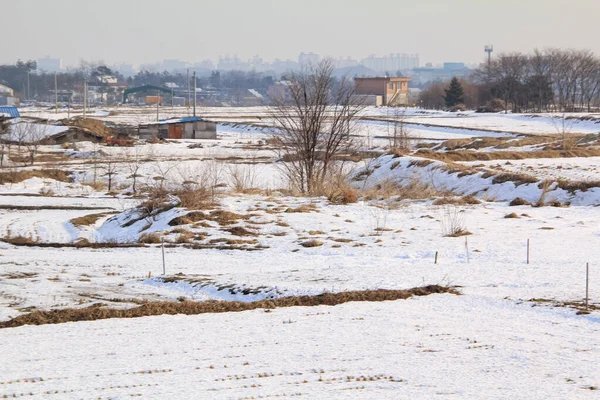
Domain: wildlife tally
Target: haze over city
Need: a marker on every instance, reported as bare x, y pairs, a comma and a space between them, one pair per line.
145, 32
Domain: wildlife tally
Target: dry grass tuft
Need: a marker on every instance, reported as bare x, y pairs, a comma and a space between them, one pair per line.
304, 208
226, 217
459, 233
88, 220
311, 243
517, 201
517, 179
241, 231
345, 194
20, 176
97, 312
150, 238
458, 201
512, 215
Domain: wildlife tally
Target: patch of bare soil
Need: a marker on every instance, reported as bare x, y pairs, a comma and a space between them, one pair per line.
97, 312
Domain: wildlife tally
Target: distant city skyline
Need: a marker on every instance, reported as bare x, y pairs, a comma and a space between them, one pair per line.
130, 32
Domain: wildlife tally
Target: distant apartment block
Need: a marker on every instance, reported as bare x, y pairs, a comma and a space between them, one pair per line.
306, 59
382, 91
392, 63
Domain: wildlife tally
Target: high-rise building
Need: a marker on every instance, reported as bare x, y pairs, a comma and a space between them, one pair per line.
392, 63
305, 59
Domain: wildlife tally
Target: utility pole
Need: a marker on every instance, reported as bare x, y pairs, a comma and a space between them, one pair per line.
188, 83
84, 98
56, 93
28, 87
194, 93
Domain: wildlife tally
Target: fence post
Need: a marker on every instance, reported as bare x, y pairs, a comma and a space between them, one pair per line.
436, 257
587, 285
162, 245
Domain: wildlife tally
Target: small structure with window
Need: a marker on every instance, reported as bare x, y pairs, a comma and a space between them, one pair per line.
179, 128
386, 91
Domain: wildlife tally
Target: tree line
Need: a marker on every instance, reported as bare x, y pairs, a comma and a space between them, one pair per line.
551, 80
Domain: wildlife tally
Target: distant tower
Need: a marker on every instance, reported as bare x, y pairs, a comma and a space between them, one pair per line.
488, 49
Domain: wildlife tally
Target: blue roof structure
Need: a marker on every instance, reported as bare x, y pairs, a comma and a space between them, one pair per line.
176, 120
12, 111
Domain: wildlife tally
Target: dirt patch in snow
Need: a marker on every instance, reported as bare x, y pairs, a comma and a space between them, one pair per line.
97, 312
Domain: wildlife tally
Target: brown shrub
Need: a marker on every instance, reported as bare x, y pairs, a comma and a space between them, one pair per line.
512, 215
150, 238
344, 195
517, 201
97, 312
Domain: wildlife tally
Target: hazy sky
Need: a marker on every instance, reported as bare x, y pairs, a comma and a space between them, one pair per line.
141, 31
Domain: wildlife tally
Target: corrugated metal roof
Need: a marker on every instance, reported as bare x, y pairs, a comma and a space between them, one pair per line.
12, 111
175, 121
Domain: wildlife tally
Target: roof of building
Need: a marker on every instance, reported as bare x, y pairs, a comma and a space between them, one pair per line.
21, 131
175, 121
11, 111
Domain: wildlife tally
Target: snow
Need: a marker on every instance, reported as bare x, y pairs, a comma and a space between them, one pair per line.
437, 175
22, 131
418, 348
493, 341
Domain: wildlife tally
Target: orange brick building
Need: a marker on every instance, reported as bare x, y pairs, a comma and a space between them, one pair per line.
393, 91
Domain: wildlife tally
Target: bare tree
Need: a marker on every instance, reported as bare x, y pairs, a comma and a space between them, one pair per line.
4, 140
110, 167
134, 159
313, 130
400, 140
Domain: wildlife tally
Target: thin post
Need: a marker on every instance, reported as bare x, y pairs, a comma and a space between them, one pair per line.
194, 93
189, 95
162, 245
56, 92
587, 284
84, 98
527, 251
157, 101
436, 257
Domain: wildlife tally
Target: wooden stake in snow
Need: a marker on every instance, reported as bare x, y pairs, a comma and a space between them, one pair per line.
467, 248
527, 251
587, 284
436, 255
162, 245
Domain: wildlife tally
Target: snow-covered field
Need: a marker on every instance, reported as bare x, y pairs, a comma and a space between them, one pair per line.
511, 334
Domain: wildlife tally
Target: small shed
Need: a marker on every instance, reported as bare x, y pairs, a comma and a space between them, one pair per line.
179, 128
